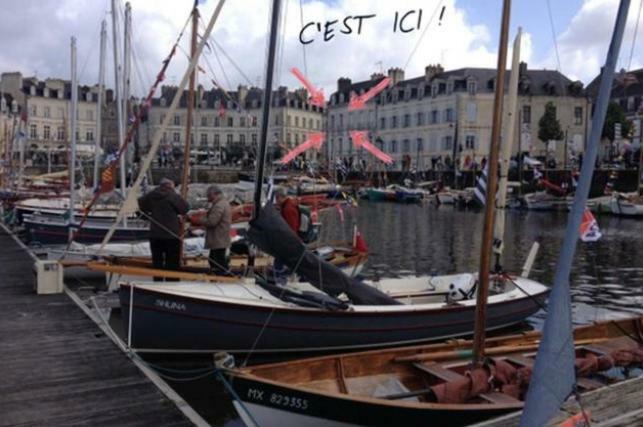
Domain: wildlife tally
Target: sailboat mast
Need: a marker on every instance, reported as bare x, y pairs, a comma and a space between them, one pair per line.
507, 143
99, 106
492, 184
73, 124
267, 95
189, 119
553, 375
117, 92
127, 69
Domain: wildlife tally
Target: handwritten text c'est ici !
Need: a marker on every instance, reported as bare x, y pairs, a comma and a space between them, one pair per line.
354, 23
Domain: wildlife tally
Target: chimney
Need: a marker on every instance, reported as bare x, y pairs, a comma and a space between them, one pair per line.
522, 68
431, 71
242, 92
344, 84
396, 75
377, 76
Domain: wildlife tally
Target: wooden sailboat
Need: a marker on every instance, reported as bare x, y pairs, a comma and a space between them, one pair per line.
459, 382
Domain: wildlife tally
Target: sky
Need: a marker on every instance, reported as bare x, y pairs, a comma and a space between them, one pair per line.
573, 38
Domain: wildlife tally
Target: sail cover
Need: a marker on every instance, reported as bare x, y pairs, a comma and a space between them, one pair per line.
272, 235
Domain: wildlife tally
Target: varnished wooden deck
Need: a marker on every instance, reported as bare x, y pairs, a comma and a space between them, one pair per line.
56, 365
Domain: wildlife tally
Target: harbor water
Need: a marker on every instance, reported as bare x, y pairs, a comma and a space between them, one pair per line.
606, 282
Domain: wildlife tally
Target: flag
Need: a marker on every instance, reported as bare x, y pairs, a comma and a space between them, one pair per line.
589, 231
481, 188
107, 183
358, 241
537, 175
221, 110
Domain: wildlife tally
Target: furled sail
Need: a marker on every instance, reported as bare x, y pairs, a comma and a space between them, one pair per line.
272, 235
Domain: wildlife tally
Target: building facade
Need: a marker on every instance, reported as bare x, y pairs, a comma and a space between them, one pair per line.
226, 125
445, 116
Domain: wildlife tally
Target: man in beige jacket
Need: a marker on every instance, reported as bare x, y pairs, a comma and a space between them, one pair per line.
217, 229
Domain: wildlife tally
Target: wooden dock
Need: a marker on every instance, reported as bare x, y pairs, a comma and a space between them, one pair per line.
618, 405
57, 367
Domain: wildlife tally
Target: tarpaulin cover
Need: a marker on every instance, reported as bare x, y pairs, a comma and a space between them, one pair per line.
272, 235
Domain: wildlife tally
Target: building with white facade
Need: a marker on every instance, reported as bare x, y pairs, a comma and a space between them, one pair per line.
428, 121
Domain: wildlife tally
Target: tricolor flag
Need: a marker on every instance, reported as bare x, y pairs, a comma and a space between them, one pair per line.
589, 231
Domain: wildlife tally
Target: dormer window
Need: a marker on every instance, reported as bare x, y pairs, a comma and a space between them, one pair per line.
254, 103
45, 92
163, 102
88, 97
490, 84
471, 87
449, 87
434, 90
32, 90
341, 98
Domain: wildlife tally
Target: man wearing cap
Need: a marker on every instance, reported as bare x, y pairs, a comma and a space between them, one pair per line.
162, 207
217, 229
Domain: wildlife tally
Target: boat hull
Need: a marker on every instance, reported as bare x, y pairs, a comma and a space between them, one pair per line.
275, 405
164, 321
58, 233
626, 208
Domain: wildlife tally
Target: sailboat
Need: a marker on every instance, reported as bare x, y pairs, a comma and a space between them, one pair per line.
325, 311
459, 382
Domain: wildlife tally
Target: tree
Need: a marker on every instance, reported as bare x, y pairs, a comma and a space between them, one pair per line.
615, 114
549, 126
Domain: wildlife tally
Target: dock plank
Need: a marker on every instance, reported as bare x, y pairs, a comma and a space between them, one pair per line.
59, 368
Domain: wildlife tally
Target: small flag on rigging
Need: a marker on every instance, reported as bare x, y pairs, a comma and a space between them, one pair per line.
589, 231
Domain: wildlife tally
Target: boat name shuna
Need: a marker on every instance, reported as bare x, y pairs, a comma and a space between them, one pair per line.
170, 305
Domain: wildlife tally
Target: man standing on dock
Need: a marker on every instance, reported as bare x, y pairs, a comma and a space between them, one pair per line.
162, 208
217, 229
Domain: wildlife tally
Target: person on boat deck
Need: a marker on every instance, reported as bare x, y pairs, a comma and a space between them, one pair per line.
289, 209
162, 207
217, 229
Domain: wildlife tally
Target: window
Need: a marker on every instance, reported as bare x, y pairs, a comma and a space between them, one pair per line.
254, 120
177, 120
217, 122
161, 118
46, 132
288, 138
472, 112
341, 121
310, 123
204, 139
383, 123
470, 142
419, 145
332, 121
61, 133
296, 121
420, 118
46, 112
434, 116
406, 146
448, 114
318, 124
254, 138
407, 120
578, 115
33, 111
447, 143
296, 139
216, 140
89, 135
204, 121
630, 103
33, 132
242, 121
526, 114
288, 120
393, 122
393, 146
242, 139
471, 87
228, 138
89, 115
230, 121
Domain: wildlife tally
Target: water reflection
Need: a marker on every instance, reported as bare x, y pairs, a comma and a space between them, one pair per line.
607, 276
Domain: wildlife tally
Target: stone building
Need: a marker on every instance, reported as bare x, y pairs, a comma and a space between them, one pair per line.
226, 125
445, 115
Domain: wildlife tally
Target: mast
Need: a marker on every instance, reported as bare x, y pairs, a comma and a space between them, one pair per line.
553, 375
507, 143
99, 106
185, 177
117, 93
492, 184
267, 95
127, 68
73, 124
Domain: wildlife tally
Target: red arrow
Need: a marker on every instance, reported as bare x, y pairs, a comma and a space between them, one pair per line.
360, 140
359, 101
315, 140
316, 95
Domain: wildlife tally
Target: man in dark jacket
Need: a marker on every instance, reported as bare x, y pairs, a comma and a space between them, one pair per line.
162, 207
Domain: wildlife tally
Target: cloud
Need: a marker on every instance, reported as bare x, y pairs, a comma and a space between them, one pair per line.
582, 46
36, 38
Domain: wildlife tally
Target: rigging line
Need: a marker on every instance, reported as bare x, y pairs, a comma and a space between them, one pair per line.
303, 46
428, 25
87, 57
636, 28
553, 35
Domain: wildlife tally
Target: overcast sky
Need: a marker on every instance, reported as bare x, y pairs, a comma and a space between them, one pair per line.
35, 38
